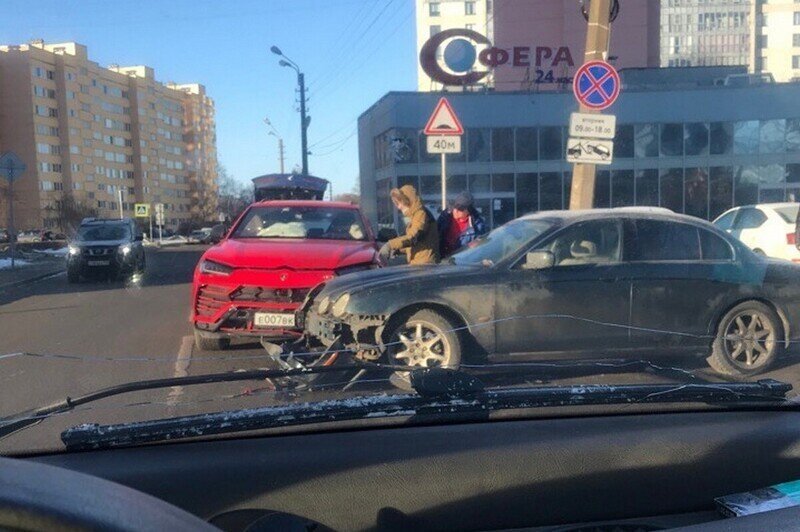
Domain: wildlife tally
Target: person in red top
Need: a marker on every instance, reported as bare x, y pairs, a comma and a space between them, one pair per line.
459, 225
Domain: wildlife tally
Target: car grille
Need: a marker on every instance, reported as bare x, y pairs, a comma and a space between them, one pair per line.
98, 251
278, 295
210, 299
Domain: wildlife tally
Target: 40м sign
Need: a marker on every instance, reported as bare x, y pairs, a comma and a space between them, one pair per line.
461, 57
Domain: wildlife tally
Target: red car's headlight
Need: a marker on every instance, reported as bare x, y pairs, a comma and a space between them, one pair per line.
214, 268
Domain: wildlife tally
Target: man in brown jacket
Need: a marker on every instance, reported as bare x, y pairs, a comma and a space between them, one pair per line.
421, 240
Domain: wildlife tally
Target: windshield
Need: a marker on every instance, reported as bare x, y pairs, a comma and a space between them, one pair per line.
501, 243
301, 222
102, 232
788, 214
351, 190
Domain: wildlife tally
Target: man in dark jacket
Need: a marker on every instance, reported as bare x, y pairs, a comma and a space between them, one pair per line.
460, 225
421, 240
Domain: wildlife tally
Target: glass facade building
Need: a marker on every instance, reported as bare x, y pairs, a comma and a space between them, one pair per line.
695, 151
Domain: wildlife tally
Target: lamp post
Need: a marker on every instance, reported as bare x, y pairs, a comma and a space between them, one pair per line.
273, 132
304, 121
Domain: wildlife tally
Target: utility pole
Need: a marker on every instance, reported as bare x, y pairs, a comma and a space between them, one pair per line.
280, 153
121, 216
598, 34
301, 80
274, 133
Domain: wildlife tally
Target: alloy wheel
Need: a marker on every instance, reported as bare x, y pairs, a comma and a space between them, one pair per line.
420, 343
749, 339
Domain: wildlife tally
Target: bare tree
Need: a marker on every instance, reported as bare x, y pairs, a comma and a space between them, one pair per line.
234, 196
68, 212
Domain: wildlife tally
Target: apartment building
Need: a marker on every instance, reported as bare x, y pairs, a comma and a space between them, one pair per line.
434, 16
98, 138
777, 39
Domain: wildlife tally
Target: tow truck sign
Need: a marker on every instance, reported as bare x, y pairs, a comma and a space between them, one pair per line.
590, 151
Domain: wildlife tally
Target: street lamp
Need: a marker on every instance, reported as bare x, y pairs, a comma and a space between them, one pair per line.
301, 82
274, 132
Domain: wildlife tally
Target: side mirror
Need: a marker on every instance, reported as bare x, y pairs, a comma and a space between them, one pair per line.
539, 260
385, 234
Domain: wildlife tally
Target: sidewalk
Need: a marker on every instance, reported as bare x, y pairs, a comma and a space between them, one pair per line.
30, 273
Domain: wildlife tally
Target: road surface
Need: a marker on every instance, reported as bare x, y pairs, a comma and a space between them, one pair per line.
79, 338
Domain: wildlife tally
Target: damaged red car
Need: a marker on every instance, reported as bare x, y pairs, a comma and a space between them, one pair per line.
252, 282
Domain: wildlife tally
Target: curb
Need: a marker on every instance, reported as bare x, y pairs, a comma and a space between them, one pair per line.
22, 282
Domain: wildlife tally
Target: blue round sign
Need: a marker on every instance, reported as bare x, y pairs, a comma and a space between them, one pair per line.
596, 85
460, 55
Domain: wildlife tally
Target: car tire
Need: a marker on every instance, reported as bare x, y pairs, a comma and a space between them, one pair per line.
427, 335
73, 276
759, 346
210, 343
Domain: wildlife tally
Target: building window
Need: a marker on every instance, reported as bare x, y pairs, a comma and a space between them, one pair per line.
470, 26
433, 9
797, 18
762, 41
58, 186
435, 29
74, 149
469, 7
796, 61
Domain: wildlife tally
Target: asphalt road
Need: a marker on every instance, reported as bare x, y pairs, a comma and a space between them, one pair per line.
83, 337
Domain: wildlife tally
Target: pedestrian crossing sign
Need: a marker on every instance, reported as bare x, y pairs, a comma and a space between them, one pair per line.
141, 210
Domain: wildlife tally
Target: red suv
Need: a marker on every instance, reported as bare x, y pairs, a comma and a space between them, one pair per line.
251, 283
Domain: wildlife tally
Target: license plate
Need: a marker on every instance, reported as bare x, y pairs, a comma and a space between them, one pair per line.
269, 319
99, 262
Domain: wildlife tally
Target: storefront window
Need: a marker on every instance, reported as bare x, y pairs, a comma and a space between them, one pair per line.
745, 137
721, 138
527, 193
425, 157
646, 141
478, 145
695, 138
793, 173
793, 135
456, 184
621, 188
773, 133
550, 144
550, 190
720, 190
403, 146
384, 210
602, 189
408, 180
745, 185
695, 192
671, 140
503, 144
430, 185
503, 183
647, 187
623, 142
527, 142
671, 189
479, 183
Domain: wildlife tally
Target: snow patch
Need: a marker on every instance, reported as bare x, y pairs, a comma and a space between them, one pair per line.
6, 263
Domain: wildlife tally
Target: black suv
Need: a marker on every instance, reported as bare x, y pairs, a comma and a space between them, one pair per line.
113, 246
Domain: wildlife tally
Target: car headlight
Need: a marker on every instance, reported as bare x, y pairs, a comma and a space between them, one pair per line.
215, 268
355, 268
324, 305
341, 305
125, 249
74, 250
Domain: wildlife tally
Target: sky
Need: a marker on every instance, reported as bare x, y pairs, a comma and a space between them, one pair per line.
351, 51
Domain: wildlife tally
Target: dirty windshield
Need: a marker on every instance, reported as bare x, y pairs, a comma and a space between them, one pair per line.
214, 207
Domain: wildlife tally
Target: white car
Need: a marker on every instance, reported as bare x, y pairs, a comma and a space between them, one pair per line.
767, 229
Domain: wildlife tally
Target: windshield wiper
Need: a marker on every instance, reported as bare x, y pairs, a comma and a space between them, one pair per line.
438, 395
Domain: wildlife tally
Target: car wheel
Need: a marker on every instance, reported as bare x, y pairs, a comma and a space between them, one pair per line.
73, 276
747, 341
211, 343
425, 339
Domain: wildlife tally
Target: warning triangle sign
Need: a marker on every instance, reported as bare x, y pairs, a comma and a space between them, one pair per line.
444, 121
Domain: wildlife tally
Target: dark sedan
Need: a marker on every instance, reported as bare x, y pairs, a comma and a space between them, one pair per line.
571, 284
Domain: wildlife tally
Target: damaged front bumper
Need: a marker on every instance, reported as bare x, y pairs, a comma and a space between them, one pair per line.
360, 333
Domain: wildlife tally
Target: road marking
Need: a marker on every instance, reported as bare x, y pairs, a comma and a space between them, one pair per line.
181, 368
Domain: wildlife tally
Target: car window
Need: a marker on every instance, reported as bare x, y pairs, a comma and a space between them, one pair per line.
103, 232
714, 247
301, 222
788, 213
657, 240
725, 222
593, 242
501, 243
750, 219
